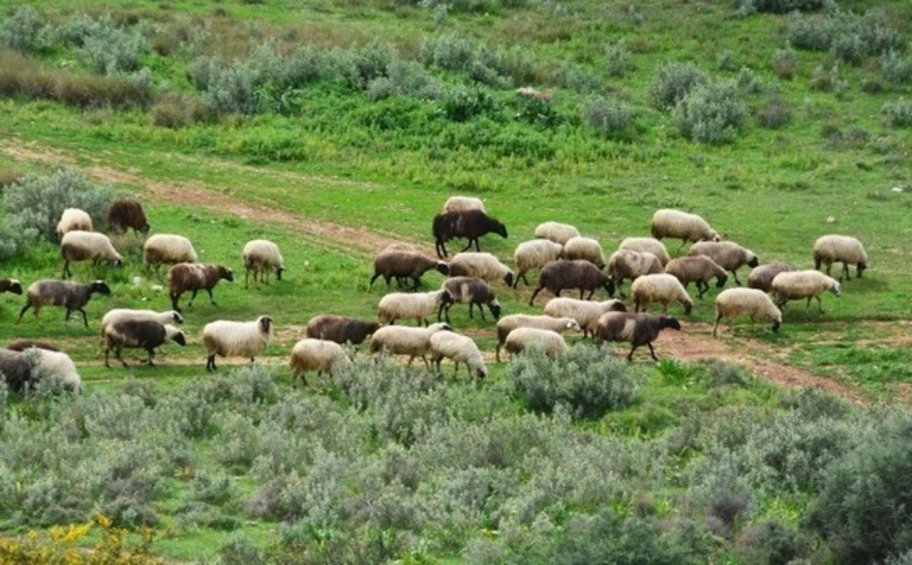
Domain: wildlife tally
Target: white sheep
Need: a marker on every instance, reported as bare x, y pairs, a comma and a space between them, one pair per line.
401, 305
625, 264
551, 342
74, 219
750, 302
398, 340
556, 232
59, 365
484, 266
662, 288
676, 224
118, 314
318, 355
843, 249
509, 323
262, 256
460, 349
167, 249
462, 204
795, 285
87, 246
241, 339
584, 248
646, 245
727, 254
585, 312
534, 254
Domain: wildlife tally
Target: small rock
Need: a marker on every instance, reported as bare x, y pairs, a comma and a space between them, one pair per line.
830, 220
137, 281
897, 189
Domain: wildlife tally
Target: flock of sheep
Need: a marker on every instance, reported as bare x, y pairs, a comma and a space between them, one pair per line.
565, 259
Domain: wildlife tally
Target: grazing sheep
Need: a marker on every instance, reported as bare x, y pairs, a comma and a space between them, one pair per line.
23, 344
21, 369
661, 288
533, 255
404, 306
585, 312
339, 329
676, 224
636, 329
467, 290
795, 285
320, 355
584, 248
403, 264
119, 314
556, 232
750, 302
262, 256
728, 255
509, 323
632, 264
551, 342
139, 334
16, 369
558, 275
241, 339
87, 246
460, 349
761, 277
127, 214
463, 204
646, 245
13, 286
59, 365
471, 225
73, 219
190, 277
698, 269
167, 249
480, 265
843, 249
398, 340
69, 295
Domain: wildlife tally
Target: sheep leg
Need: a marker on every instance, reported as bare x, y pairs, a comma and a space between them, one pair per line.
481, 310
192, 297
652, 351
440, 247
107, 351
151, 351
471, 307
456, 368
246, 278
497, 351
426, 364
374, 278
845, 272
85, 319
66, 269
535, 293
582, 292
701, 290
174, 299
716, 325
808, 305
819, 304
23, 311
630, 355
210, 363
417, 281
735, 274
211, 298
117, 351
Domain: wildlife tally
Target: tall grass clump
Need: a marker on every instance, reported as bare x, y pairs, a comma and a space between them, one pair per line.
785, 63
898, 114
611, 119
617, 59
675, 81
711, 113
897, 67
26, 30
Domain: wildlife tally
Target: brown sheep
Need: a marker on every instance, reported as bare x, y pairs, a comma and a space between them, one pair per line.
467, 290
698, 269
340, 329
581, 274
761, 277
401, 265
193, 277
124, 214
471, 224
636, 329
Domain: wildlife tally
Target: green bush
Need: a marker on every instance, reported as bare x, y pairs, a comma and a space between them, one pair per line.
897, 67
774, 543
462, 55
461, 104
405, 78
727, 62
26, 30
785, 63
827, 79
775, 112
674, 82
810, 33
617, 59
898, 114
610, 119
109, 49
175, 110
711, 113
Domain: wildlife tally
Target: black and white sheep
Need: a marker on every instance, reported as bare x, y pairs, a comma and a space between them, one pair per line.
236, 339
191, 277
404, 264
69, 295
399, 340
635, 329
584, 248
320, 355
467, 290
484, 266
73, 219
555, 231
676, 224
663, 289
728, 255
698, 269
22, 369
534, 254
471, 225
127, 214
585, 312
87, 246
262, 257
843, 249
404, 306
12, 286
509, 323
749, 302
340, 329
559, 275
626, 264
167, 249
139, 334
119, 314
460, 349
761, 277
463, 204
795, 285
520, 339
646, 245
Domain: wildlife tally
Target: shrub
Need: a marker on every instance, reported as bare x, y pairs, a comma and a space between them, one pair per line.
898, 114
727, 62
811, 34
897, 67
463, 55
405, 78
749, 82
849, 47
573, 77
610, 119
175, 110
673, 82
712, 113
827, 79
786, 6
26, 30
617, 59
537, 111
239, 549
229, 88
461, 103
108, 49
784, 63
774, 543
775, 112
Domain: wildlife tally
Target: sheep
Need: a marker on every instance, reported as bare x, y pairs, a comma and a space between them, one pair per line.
320, 355
662, 288
728, 255
119, 314
167, 249
698, 269
509, 323
636, 329
400, 305
190, 277
750, 302
551, 342
558, 275
12, 286
484, 266
398, 340
632, 264
21, 368
339, 329
556, 232
460, 349
843, 249
471, 225
585, 312
16, 369
242, 339
463, 204
794, 285
23, 344
468, 290
584, 248
402, 264
124, 214
761, 277
60, 366
71, 296
534, 254
73, 219
262, 256
646, 245
138, 334
87, 246
676, 224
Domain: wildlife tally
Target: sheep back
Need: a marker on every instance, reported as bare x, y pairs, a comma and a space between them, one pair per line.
676, 224
727, 254
761, 277
318, 355
584, 248
340, 329
463, 204
646, 245
551, 342
127, 214
168, 249
661, 288
74, 219
556, 232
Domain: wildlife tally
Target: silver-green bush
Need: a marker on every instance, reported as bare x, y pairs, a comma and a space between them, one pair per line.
711, 113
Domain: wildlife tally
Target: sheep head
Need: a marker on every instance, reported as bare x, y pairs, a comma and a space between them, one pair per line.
225, 273
99, 287
669, 322
265, 323
279, 271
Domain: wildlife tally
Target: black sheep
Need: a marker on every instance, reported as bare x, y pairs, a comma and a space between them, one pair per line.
123, 214
470, 224
581, 274
69, 295
139, 334
404, 265
340, 329
636, 329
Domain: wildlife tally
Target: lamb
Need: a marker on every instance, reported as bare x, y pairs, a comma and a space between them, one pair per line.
676, 224
532, 255
636, 329
471, 225
320, 355
794, 285
69, 295
138, 334
585, 312
761, 277
843, 249
398, 340
484, 266
632, 264
124, 214
23, 344
750, 302
21, 369
73, 219
558, 275
120, 314
87, 246
728, 255
400, 305
468, 290
556, 232
463, 204
190, 277
662, 288
646, 245
403, 264
13, 286
262, 256
509, 323
241, 339
339, 329
460, 349
167, 249
698, 269
584, 248
551, 342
